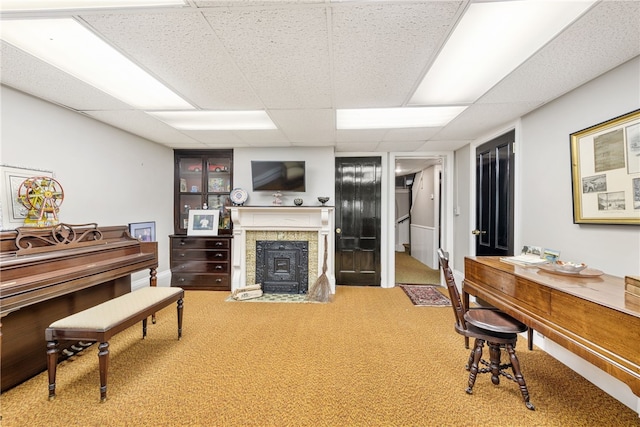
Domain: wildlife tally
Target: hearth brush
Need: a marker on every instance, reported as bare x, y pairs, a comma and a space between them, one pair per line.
321, 290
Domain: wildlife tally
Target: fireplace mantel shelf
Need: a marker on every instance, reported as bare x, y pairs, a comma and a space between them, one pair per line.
318, 219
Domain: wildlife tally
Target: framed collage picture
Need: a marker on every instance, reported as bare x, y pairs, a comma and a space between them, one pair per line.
605, 170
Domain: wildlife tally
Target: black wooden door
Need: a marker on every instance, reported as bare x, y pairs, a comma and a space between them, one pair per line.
358, 213
494, 195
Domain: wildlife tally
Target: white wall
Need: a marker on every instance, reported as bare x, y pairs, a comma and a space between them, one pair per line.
320, 172
545, 174
109, 177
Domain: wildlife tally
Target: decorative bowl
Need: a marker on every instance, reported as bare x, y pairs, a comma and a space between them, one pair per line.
569, 267
323, 199
297, 202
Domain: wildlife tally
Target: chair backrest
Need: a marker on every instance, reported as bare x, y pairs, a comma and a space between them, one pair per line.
454, 295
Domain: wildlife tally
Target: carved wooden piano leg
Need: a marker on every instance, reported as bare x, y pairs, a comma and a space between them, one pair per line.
153, 281
144, 328
52, 363
515, 365
103, 358
180, 305
494, 362
473, 372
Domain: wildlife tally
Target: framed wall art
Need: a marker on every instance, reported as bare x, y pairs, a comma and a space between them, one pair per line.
203, 222
13, 212
605, 170
143, 231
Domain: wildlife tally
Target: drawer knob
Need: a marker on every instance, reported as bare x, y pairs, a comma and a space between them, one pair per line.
218, 255
218, 243
218, 267
181, 279
182, 243
218, 280
182, 254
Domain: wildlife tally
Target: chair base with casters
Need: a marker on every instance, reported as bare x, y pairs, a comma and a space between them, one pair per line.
489, 326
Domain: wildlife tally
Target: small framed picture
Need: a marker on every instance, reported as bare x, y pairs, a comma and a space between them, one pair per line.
203, 222
143, 231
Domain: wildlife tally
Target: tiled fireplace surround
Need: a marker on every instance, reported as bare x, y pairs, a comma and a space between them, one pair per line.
294, 223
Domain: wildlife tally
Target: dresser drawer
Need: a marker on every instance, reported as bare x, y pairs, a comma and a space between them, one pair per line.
216, 282
200, 267
179, 255
188, 242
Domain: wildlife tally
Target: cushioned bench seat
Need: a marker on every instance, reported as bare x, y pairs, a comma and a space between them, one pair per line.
100, 323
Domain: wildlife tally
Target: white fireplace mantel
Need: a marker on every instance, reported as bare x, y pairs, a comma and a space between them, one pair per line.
281, 218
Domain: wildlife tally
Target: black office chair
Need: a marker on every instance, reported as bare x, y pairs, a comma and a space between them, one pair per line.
486, 325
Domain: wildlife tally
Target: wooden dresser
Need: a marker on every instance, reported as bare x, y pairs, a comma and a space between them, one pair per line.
589, 316
201, 262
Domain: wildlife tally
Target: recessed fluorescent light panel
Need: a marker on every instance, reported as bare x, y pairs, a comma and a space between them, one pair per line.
490, 41
28, 5
215, 120
389, 118
71, 47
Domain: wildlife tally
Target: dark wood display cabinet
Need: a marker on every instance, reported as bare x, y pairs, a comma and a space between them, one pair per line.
203, 180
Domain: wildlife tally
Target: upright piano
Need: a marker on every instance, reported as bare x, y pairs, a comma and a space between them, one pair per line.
592, 317
49, 273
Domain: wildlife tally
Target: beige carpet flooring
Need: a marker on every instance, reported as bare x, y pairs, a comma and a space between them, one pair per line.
369, 358
410, 271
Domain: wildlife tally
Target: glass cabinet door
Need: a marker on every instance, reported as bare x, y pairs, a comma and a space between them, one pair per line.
204, 179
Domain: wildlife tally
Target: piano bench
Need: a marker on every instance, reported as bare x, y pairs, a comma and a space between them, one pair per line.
100, 323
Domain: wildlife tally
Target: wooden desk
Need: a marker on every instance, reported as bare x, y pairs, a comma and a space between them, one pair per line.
591, 317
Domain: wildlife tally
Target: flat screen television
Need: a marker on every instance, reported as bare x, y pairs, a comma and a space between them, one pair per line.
278, 175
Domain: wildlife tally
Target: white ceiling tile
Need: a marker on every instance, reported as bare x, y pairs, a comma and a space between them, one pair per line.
31, 75
183, 51
380, 50
306, 125
356, 147
365, 135
399, 145
576, 56
263, 137
282, 52
414, 134
224, 137
141, 124
476, 120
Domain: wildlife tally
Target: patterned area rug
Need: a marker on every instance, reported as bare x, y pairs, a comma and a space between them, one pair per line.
425, 295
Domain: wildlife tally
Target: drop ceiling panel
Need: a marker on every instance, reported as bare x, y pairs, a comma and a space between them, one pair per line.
31, 75
183, 51
141, 124
365, 135
356, 147
380, 50
282, 52
306, 125
477, 120
576, 56
225, 137
399, 146
414, 134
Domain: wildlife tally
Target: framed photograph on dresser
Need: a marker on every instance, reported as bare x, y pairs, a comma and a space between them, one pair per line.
203, 222
605, 171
